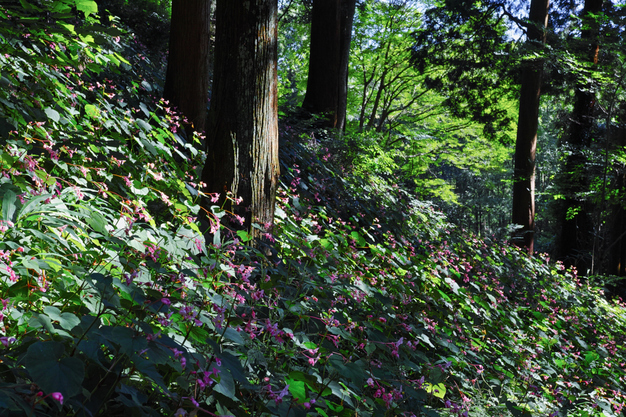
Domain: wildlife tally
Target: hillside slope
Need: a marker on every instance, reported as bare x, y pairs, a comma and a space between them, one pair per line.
370, 303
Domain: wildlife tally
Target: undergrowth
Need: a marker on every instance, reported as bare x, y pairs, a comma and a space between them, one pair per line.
371, 303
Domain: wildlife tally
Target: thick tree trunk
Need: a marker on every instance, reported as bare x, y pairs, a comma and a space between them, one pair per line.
526, 144
323, 81
187, 76
576, 237
327, 83
242, 133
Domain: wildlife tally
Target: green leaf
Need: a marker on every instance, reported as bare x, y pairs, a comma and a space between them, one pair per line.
591, 356
31, 205
49, 370
98, 222
144, 125
244, 236
226, 385
438, 390
8, 159
92, 111
234, 336
8, 205
52, 114
87, 6
47, 178
66, 320
516, 410
359, 239
297, 389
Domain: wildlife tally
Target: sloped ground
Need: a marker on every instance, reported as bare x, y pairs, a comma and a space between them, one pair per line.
372, 303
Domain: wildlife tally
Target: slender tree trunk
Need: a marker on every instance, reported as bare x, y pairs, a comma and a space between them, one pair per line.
576, 235
187, 76
379, 93
331, 35
526, 144
381, 88
242, 134
348, 8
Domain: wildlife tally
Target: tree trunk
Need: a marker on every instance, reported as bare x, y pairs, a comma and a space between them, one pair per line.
348, 8
526, 144
187, 76
242, 134
327, 83
576, 235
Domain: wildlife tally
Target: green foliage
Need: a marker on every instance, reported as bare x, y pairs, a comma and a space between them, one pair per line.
389, 95
293, 53
370, 301
461, 47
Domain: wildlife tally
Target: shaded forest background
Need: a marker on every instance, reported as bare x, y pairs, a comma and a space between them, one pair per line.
510, 121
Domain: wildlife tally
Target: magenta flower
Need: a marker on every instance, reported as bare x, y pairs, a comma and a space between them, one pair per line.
57, 396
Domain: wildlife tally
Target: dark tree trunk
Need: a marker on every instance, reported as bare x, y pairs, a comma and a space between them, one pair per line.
617, 233
526, 144
576, 237
187, 76
322, 83
348, 8
242, 131
327, 83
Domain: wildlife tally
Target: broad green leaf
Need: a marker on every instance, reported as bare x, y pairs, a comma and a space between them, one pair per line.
61, 6
53, 114
144, 125
226, 385
31, 205
297, 389
48, 368
66, 320
234, 336
67, 26
148, 368
98, 222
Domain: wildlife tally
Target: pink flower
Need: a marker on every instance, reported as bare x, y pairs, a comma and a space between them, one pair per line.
57, 396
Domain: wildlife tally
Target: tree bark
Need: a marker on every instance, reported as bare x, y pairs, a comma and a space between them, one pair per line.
576, 237
187, 76
523, 212
348, 8
327, 83
617, 226
242, 134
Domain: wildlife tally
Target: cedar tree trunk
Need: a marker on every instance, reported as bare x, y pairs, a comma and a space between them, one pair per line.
327, 83
242, 131
526, 144
187, 76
